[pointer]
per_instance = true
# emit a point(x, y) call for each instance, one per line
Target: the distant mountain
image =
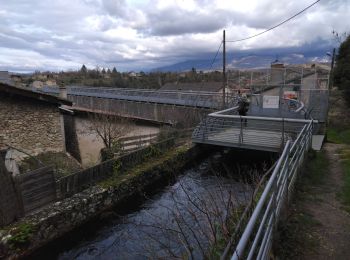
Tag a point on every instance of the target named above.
point(254, 59)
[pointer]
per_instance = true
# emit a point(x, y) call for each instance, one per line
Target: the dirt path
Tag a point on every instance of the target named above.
point(332, 231)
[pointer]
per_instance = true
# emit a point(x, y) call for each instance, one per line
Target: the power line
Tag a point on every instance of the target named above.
point(217, 52)
point(281, 23)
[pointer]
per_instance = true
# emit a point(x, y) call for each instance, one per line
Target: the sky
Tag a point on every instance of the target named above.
point(144, 34)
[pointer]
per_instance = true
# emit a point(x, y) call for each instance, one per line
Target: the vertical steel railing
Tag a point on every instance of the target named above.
point(259, 231)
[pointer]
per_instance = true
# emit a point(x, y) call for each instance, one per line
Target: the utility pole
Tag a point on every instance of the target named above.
point(224, 71)
point(332, 69)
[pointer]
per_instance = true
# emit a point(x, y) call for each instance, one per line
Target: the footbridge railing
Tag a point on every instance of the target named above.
point(226, 128)
point(257, 238)
point(181, 98)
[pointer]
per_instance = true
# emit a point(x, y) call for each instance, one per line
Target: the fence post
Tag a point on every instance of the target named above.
point(205, 128)
point(241, 131)
point(282, 141)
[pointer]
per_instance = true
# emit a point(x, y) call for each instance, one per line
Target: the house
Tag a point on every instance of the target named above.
point(37, 84)
point(5, 77)
point(32, 121)
point(50, 82)
point(277, 72)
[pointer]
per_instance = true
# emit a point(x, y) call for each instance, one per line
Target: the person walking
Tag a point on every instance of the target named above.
point(243, 106)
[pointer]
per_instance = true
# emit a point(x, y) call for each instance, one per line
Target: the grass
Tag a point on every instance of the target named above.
point(344, 195)
point(316, 169)
point(339, 132)
point(296, 234)
point(20, 235)
point(118, 177)
point(338, 136)
point(62, 163)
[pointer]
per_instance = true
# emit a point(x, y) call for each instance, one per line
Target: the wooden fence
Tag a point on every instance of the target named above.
point(36, 188)
point(71, 184)
point(132, 143)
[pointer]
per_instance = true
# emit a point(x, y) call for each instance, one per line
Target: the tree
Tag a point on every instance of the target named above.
point(83, 69)
point(342, 68)
point(109, 128)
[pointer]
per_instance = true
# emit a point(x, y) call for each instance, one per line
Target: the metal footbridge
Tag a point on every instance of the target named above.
point(227, 128)
point(201, 99)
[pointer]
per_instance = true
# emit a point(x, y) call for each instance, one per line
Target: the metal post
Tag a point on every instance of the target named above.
point(251, 78)
point(301, 83)
point(282, 145)
point(224, 70)
point(241, 132)
point(239, 79)
point(275, 202)
point(331, 72)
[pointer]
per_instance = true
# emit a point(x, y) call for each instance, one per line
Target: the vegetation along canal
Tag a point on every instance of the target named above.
point(192, 217)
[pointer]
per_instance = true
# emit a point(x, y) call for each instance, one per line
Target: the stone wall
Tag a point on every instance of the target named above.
point(31, 125)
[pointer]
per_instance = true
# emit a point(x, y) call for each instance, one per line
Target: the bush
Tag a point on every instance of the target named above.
point(342, 69)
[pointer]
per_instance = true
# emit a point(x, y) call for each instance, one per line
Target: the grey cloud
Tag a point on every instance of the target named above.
point(59, 30)
point(178, 22)
point(117, 8)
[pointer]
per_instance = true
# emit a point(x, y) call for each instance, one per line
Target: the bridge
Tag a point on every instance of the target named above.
point(226, 128)
point(202, 99)
point(170, 106)
point(150, 105)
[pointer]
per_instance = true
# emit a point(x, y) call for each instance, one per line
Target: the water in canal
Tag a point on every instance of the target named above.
point(182, 219)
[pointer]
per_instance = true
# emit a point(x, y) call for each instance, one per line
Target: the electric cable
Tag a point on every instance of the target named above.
point(273, 27)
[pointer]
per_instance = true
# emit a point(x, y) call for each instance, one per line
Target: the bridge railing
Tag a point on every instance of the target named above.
point(184, 98)
point(257, 238)
point(229, 129)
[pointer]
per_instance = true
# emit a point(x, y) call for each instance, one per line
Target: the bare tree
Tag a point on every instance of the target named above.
point(109, 128)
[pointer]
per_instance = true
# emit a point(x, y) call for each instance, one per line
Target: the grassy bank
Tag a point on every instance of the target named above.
point(322, 192)
point(338, 132)
point(297, 234)
point(344, 195)
point(158, 159)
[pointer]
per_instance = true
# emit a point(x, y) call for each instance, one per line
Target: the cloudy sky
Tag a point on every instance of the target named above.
point(143, 34)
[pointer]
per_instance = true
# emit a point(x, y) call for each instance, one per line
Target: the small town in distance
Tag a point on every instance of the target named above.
point(229, 144)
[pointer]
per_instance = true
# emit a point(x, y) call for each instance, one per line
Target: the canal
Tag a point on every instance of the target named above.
point(183, 219)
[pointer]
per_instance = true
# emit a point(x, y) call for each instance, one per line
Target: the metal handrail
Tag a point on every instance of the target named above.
point(273, 198)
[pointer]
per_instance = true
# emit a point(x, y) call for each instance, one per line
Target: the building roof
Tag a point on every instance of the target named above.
point(16, 91)
point(200, 86)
